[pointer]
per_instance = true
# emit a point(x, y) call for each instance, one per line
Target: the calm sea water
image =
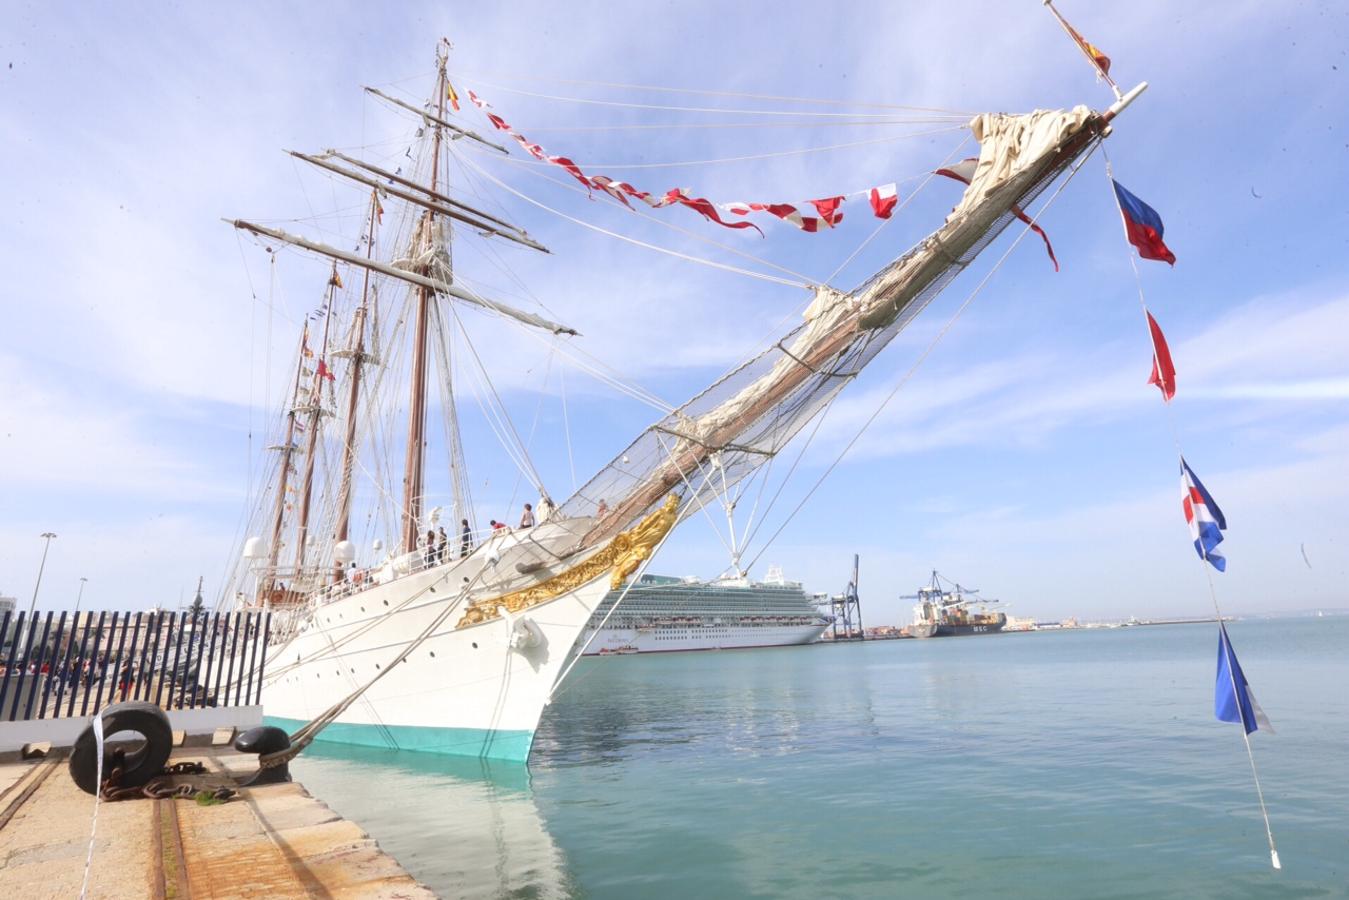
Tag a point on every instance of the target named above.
point(1053, 764)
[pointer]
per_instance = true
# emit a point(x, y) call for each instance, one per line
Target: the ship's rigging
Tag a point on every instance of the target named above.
point(702, 450)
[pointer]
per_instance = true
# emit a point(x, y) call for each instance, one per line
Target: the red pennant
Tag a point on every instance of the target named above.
point(1163, 371)
point(883, 200)
point(828, 210)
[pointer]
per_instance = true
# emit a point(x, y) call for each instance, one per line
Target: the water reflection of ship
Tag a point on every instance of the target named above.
point(946, 609)
point(490, 839)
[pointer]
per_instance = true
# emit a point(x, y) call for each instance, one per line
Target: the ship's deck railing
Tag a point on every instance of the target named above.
point(318, 586)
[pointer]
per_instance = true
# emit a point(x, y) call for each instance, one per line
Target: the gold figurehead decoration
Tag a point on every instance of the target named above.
point(623, 555)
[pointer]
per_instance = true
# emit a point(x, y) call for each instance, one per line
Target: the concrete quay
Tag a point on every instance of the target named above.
point(271, 841)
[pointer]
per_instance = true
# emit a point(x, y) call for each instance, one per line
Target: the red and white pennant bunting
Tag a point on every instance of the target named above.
point(828, 213)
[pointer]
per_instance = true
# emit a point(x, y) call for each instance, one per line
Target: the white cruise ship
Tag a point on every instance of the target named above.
point(661, 614)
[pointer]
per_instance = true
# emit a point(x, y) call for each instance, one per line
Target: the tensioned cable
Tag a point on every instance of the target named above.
point(640, 213)
point(778, 154)
point(596, 368)
point(636, 576)
point(686, 126)
point(905, 202)
point(725, 267)
point(518, 451)
point(922, 357)
point(703, 92)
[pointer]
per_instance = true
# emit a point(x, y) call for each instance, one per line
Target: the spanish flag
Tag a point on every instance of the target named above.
point(454, 98)
point(1100, 59)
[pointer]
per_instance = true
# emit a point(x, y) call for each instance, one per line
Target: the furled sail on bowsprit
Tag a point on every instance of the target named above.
point(723, 434)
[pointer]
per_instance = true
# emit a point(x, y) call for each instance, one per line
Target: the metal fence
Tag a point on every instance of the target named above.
point(58, 664)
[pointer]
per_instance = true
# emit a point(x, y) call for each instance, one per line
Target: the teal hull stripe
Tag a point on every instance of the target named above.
point(477, 742)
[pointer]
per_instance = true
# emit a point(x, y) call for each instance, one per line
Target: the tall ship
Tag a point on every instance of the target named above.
point(661, 614)
point(398, 617)
point(945, 609)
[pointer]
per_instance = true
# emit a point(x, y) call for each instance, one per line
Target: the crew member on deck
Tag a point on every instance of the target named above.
point(466, 539)
point(527, 517)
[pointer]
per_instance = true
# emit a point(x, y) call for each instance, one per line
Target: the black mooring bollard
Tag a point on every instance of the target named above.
point(261, 740)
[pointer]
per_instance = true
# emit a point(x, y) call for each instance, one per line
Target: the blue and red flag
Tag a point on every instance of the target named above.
point(1205, 519)
point(1233, 700)
point(1143, 226)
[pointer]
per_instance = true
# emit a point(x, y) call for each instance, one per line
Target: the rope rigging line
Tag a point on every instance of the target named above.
point(517, 450)
point(776, 154)
point(927, 178)
point(544, 175)
point(948, 125)
point(696, 494)
point(622, 104)
point(566, 424)
point(922, 357)
point(708, 93)
point(1203, 560)
point(633, 579)
point(726, 267)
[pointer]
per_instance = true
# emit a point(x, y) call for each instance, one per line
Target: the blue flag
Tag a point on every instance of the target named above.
point(1233, 700)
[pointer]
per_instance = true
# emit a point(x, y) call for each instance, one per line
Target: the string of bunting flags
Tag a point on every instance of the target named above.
point(1233, 700)
point(810, 216)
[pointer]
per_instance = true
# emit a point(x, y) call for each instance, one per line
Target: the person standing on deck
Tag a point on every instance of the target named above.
point(442, 546)
point(466, 539)
point(527, 517)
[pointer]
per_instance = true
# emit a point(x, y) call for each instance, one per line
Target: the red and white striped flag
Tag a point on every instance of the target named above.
point(883, 200)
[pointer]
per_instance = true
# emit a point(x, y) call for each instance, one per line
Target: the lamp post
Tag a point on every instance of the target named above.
point(42, 565)
point(80, 595)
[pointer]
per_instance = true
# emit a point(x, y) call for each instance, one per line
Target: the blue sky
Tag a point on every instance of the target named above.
point(1027, 455)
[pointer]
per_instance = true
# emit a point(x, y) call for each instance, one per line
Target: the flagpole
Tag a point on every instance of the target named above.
point(1078, 40)
point(1203, 560)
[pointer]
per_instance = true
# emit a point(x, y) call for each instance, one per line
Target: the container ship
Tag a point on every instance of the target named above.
point(945, 609)
point(662, 613)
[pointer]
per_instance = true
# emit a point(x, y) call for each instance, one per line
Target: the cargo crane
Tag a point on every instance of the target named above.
point(847, 610)
point(944, 610)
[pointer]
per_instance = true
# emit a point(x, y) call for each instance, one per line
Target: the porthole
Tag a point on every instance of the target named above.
point(362, 609)
point(433, 653)
point(475, 645)
point(386, 602)
point(376, 665)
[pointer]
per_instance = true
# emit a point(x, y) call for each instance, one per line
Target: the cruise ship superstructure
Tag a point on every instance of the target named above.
point(662, 613)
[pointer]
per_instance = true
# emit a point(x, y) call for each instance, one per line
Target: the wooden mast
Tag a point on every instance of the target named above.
point(413, 468)
point(287, 448)
point(358, 357)
point(315, 410)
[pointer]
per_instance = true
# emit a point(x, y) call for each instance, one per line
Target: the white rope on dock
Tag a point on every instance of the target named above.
point(98, 799)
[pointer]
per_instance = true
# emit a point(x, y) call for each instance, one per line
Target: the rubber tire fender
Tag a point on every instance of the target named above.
point(141, 764)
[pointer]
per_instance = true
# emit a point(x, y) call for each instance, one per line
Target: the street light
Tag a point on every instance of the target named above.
point(80, 596)
point(31, 606)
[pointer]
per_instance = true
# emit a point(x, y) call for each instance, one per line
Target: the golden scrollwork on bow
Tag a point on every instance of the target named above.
point(623, 555)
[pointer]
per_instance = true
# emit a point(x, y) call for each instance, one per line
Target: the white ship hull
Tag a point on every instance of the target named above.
point(700, 637)
point(464, 691)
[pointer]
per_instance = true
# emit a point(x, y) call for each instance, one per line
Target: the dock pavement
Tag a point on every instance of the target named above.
point(271, 841)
